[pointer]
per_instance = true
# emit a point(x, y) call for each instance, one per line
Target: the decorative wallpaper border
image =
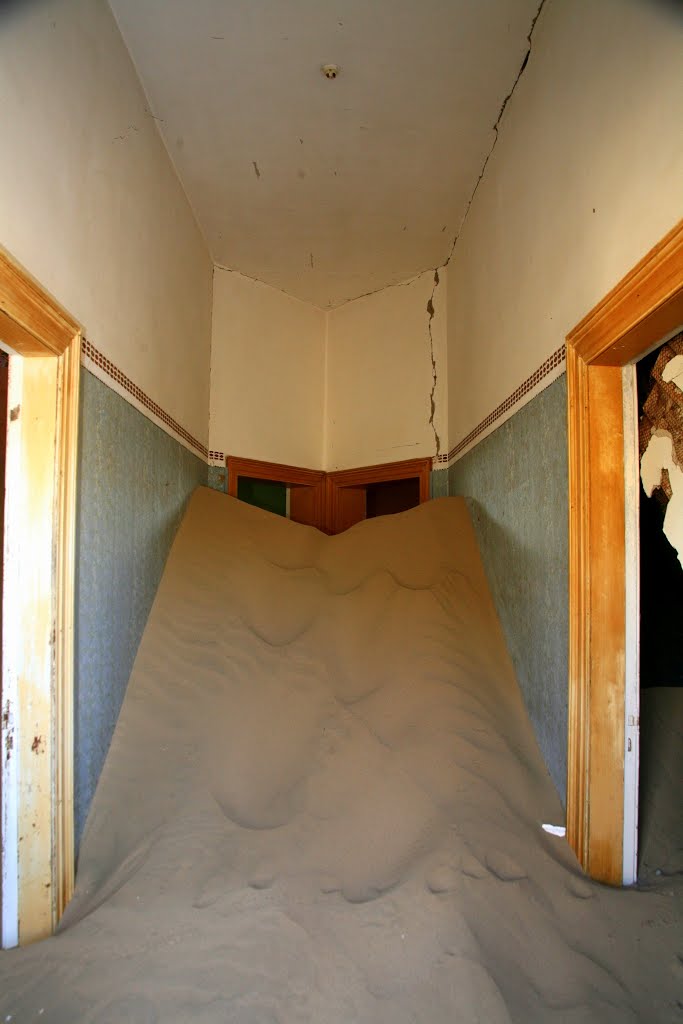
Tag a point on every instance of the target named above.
point(546, 368)
point(553, 362)
point(92, 354)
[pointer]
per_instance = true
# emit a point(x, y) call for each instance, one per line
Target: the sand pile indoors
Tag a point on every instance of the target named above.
point(323, 803)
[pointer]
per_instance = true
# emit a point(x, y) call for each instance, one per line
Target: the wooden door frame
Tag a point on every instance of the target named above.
point(645, 307)
point(365, 475)
point(38, 621)
point(292, 476)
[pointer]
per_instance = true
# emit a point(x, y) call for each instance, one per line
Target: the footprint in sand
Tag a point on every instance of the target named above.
point(504, 867)
point(126, 1010)
point(262, 879)
point(580, 888)
point(473, 868)
point(442, 879)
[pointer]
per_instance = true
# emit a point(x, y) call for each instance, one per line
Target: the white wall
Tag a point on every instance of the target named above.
point(90, 204)
point(586, 176)
point(267, 373)
point(379, 375)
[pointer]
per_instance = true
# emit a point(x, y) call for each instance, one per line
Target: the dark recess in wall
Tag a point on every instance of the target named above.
point(661, 578)
point(390, 496)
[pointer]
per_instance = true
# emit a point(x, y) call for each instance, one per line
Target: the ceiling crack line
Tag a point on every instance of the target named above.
point(496, 129)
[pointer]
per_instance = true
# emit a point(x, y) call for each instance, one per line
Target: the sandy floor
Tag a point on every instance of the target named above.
point(323, 803)
point(661, 777)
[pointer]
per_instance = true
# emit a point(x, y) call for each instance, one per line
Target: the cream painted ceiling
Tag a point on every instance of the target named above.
point(327, 189)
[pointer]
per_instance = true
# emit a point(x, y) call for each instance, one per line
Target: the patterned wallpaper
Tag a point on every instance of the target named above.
point(134, 483)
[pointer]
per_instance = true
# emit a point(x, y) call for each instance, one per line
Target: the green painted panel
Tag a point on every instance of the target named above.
point(268, 494)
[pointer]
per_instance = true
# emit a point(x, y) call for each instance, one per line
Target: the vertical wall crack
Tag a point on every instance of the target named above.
point(432, 393)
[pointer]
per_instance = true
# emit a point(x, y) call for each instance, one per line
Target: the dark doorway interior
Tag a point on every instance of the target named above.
point(389, 496)
point(661, 650)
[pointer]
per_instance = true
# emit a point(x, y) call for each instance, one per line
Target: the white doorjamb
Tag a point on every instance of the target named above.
point(632, 624)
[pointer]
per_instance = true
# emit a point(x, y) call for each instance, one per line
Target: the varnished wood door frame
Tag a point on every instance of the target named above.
point(325, 487)
point(292, 476)
point(643, 308)
point(38, 610)
point(365, 475)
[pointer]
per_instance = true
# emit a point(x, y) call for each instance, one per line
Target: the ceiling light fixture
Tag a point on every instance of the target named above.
point(330, 70)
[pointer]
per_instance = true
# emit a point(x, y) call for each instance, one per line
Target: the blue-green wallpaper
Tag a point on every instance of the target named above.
point(517, 480)
point(133, 484)
point(438, 483)
point(218, 478)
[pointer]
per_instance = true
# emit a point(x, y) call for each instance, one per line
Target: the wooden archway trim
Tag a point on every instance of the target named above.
point(41, 587)
point(307, 494)
point(642, 309)
point(31, 322)
point(350, 480)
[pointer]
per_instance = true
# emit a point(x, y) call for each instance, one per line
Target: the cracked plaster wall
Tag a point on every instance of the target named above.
point(386, 375)
point(360, 384)
point(267, 373)
point(584, 178)
point(91, 206)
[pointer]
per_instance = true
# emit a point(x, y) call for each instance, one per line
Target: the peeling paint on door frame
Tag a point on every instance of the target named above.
point(38, 608)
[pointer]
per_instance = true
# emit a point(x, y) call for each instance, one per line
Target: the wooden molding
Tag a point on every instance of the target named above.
point(329, 501)
point(638, 309)
point(307, 507)
point(65, 562)
point(643, 308)
point(579, 611)
point(31, 322)
point(345, 497)
point(238, 467)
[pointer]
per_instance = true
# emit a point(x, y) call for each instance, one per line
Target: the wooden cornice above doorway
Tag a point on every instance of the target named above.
point(331, 502)
point(640, 311)
point(31, 322)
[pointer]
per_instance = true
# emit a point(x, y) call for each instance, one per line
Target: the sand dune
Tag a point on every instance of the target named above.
point(323, 803)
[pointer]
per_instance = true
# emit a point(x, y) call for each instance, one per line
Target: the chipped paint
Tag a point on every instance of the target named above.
point(28, 657)
point(660, 458)
point(673, 372)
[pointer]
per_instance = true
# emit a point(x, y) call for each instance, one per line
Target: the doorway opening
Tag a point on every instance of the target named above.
point(39, 513)
point(602, 742)
point(391, 496)
point(660, 429)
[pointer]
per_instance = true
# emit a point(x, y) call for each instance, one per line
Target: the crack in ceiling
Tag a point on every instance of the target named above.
point(367, 171)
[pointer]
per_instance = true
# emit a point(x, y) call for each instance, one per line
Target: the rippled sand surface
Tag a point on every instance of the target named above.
point(323, 803)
